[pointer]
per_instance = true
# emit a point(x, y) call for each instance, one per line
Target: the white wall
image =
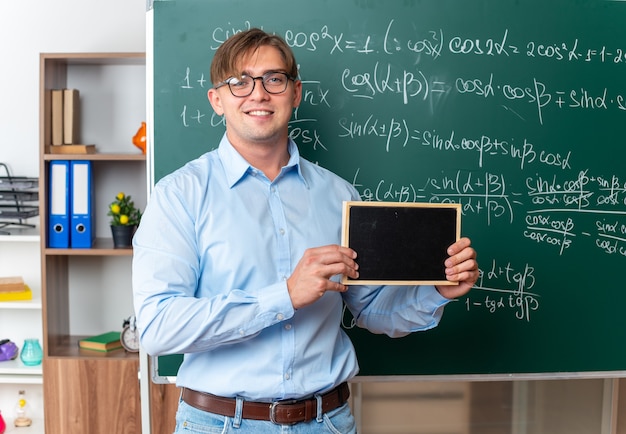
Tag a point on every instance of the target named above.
point(30, 27)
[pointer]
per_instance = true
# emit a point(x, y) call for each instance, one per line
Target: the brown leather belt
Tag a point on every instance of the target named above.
point(279, 412)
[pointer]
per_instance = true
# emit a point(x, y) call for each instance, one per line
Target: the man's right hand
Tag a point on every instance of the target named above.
point(311, 277)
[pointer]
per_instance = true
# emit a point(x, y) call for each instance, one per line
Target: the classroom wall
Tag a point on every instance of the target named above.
point(30, 27)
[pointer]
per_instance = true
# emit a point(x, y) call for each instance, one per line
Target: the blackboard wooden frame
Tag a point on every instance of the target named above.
point(400, 243)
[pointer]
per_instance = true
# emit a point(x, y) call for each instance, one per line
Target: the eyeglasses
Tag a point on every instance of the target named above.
point(273, 83)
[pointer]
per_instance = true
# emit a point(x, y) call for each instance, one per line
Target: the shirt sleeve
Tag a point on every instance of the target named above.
point(166, 266)
point(395, 310)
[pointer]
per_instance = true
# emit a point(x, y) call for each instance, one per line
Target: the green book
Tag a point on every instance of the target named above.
point(105, 342)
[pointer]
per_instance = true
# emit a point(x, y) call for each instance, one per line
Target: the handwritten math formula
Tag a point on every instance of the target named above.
point(538, 156)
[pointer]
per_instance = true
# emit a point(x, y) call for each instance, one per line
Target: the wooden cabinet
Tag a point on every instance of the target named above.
point(88, 291)
point(86, 395)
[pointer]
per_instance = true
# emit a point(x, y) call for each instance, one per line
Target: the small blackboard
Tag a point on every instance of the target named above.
point(400, 243)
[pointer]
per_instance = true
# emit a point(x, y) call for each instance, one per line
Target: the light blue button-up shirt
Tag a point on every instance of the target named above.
point(217, 242)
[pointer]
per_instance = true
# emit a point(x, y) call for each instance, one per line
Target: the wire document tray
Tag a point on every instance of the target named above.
point(19, 200)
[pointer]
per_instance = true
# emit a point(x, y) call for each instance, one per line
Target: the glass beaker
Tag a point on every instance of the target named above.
point(31, 354)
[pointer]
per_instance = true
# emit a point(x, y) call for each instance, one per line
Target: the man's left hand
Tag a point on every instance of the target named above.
point(461, 267)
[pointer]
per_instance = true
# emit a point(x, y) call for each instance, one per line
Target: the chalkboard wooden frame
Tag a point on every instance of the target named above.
point(400, 243)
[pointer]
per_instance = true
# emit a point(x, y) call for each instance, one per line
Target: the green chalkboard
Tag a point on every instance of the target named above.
point(513, 108)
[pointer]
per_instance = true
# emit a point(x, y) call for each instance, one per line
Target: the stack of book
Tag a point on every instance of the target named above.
point(105, 342)
point(14, 289)
point(65, 123)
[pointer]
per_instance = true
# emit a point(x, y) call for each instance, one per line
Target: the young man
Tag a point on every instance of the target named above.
point(237, 265)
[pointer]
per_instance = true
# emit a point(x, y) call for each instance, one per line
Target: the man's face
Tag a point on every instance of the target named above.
point(260, 118)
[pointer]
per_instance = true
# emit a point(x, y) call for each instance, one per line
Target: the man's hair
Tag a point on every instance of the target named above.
point(228, 56)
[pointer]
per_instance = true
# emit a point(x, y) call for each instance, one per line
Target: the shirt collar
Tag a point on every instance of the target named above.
point(236, 167)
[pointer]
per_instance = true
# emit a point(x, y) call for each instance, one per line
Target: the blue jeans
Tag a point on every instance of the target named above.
point(190, 420)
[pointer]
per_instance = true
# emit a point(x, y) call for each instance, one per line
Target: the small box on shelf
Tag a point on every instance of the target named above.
point(11, 284)
point(13, 289)
point(21, 295)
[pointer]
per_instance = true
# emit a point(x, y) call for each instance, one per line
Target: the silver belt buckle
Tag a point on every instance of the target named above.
point(275, 404)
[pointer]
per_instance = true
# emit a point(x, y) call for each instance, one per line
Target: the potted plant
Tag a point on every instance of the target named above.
point(125, 217)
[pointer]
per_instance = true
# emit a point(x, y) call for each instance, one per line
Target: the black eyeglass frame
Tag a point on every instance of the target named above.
point(263, 78)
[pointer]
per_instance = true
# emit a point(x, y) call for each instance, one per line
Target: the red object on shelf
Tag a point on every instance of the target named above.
point(139, 139)
point(3, 425)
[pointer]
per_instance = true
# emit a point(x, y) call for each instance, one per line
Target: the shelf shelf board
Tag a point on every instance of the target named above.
point(20, 379)
point(97, 58)
point(37, 427)
point(14, 371)
point(101, 247)
point(34, 304)
point(68, 348)
point(19, 235)
point(104, 156)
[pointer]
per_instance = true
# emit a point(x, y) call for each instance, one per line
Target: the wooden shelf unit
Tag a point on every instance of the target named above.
point(19, 256)
point(77, 381)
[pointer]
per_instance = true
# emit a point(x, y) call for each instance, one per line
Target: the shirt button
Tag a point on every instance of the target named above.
point(280, 317)
point(282, 231)
point(287, 376)
point(287, 326)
